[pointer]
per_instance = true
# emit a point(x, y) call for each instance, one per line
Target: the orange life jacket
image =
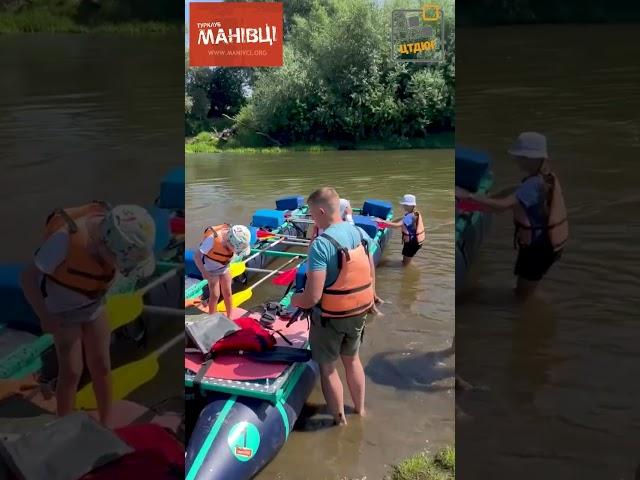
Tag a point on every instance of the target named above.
point(219, 252)
point(82, 270)
point(352, 292)
point(557, 227)
point(417, 232)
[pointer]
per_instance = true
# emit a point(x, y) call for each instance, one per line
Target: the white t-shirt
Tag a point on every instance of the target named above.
point(211, 266)
point(60, 299)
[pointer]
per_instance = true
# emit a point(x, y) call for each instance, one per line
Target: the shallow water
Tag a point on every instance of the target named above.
point(409, 378)
point(563, 371)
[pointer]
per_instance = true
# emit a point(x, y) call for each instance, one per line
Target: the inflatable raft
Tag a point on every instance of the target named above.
point(473, 173)
point(246, 408)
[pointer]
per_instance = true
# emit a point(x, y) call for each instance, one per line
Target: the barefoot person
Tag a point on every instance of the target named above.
point(341, 289)
point(67, 282)
point(217, 249)
point(539, 212)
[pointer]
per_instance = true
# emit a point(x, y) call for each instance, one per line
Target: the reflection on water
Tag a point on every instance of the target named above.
point(410, 403)
point(563, 399)
point(83, 118)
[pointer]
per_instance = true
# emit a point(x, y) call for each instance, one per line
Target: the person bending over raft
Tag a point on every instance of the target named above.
point(539, 212)
point(341, 290)
point(67, 282)
point(218, 246)
point(413, 234)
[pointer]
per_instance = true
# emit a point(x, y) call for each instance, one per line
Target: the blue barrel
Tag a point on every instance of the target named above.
point(366, 224)
point(235, 437)
point(267, 219)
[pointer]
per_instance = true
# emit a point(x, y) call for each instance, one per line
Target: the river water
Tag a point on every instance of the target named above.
point(562, 371)
point(84, 117)
point(409, 378)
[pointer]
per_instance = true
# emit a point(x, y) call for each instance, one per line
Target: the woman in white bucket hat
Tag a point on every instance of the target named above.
point(68, 280)
point(412, 225)
point(539, 212)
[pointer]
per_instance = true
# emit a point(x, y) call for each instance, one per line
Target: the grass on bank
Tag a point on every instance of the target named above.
point(205, 142)
point(41, 20)
point(422, 466)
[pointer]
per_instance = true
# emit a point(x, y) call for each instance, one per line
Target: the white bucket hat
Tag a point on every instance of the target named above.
point(240, 240)
point(408, 200)
point(129, 232)
point(529, 145)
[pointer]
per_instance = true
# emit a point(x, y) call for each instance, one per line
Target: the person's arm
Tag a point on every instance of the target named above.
point(204, 246)
point(395, 223)
point(505, 192)
point(495, 204)
point(312, 293)
point(29, 281)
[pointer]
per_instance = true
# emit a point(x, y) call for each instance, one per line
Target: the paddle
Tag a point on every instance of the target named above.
point(128, 378)
point(467, 205)
point(124, 308)
point(239, 298)
point(286, 277)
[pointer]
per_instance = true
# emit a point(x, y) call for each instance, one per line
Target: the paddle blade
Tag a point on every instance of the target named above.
point(237, 268)
point(382, 225)
point(126, 379)
point(467, 205)
point(122, 309)
point(237, 299)
point(286, 277)
point(261, 234)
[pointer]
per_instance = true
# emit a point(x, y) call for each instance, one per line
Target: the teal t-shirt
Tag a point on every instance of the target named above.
point(323, 255)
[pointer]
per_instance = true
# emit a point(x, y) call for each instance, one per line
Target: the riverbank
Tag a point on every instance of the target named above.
point(206, 143)
point(44, 21)
point(441, 466)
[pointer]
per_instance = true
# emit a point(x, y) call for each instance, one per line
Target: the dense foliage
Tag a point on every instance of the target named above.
point(340, 82)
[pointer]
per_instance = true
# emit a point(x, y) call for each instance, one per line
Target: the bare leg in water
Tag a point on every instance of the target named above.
point(333, 392)
point(356, 381)
point(525, 288)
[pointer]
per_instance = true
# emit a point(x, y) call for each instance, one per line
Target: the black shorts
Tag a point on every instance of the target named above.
point(410, 248)
point(535, 261)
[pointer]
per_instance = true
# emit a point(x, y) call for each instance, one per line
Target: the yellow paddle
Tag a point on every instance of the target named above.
point(129, 377)
point(123, 308)
point(239, 298)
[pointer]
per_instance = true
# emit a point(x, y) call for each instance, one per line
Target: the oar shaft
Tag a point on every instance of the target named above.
point(169, 344)
point(264, 279)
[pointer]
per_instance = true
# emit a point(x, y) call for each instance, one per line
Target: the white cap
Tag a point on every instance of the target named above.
point(529, 145)
point(408, 200)
point(240, 239)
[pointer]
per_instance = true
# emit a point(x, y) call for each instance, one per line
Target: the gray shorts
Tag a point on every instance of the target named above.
point(331, 337)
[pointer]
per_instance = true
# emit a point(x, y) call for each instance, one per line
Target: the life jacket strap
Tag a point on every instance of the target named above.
point(347, 292)
point(353, 311)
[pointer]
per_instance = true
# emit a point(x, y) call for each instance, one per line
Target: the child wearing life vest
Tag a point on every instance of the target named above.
point(412, 225)
point(68, 280)
point(217, 248)
point(539, 212)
